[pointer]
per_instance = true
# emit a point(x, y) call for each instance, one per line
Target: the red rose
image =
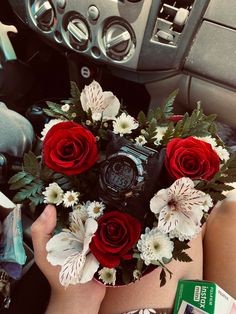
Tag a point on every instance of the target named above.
point(191, 158)
point(69, 148)
point(176, 118)
point(116, 234)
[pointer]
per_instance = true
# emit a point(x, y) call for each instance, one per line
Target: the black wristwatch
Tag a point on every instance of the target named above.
point(129, 177)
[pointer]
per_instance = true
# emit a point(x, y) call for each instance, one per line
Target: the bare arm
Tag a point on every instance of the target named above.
point(220, 247)
point(75, 299)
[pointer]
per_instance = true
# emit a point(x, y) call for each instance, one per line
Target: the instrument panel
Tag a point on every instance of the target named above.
point(136, 35)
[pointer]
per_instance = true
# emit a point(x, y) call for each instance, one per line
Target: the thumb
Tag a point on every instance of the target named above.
point(41, 231)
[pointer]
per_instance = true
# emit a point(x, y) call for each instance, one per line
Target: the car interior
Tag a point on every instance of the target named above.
point(141, 50)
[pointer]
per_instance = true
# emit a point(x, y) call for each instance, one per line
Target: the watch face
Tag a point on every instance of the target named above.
point(120, 174)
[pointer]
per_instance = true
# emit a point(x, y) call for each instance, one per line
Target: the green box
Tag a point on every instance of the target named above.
point(202, 297)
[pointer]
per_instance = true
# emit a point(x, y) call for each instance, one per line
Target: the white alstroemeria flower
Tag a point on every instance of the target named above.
point(53, 194)
point(222, 153)
point(103, 105)
point(95, 209)
point(108, 275)
point(70, 250)
point(180, 208)
point(124, 124)
point(140, 140)
point(160, 132)
point(48, 126)
point(70, 198)
point(154, 246)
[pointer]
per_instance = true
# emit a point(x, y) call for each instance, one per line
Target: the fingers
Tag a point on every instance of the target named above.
point(41, 231)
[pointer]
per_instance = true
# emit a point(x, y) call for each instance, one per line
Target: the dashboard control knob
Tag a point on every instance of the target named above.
point(93, 13)
point(118, 41)
point(61, 4)
point(43, 14)
point(181, 18)
point(78, 33)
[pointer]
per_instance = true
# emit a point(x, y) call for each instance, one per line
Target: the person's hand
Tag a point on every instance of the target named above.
point(85, 297)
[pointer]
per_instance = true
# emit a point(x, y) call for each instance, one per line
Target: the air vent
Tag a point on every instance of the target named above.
point(171, 21)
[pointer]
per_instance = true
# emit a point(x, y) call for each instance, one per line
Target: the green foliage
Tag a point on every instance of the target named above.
point(55, 111)
point(63, 181)
point(30, 181)
point(168, 106)
point(221, 181)
point(178, 253)
point(142, 120)
point(31, 164)
point(162, 277)
point(197, 124)
point(151, 130)
point(75, 92)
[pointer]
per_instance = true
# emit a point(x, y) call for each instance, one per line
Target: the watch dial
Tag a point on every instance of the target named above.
point(120, 173)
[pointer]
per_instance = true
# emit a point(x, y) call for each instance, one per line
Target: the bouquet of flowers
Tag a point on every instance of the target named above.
point(130, 193)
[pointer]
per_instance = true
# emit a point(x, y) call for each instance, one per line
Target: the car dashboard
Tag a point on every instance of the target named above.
point(161, 44)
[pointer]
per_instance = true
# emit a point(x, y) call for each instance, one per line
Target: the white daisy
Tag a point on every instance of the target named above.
point(53, 194)
point(95, 209)
point(137, 274)
point(208, 139)
point(103, 105)
point(124, 124)
point(82, 210)
point(154, 246)
point(142, 311)
point(140, 140)
point(222, 153)
point(160, 132)
point(70, 250)
point(65, 107)
point(73, 115)
point(70, 198)
point(108, 275)
point(180, 209)
point(48, 126)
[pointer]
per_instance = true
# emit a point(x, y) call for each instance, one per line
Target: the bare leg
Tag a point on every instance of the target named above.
point(147, 293)
point(220, 247)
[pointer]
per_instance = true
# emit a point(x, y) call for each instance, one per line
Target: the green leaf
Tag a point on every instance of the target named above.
point(52, 114)
point(22, 182)
point(31, 164)
point(126, 275)
point(217, 196)
point(151, 130)
point(46, 174)
point(162, 278)
point(18, 176)
point(75, 92)
point(228, 179)
point(35, 201)
point(168, 106)
point(183, 257)
point(142, 119)
point(30, 190)
point(136, 255)
point(166, 260)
